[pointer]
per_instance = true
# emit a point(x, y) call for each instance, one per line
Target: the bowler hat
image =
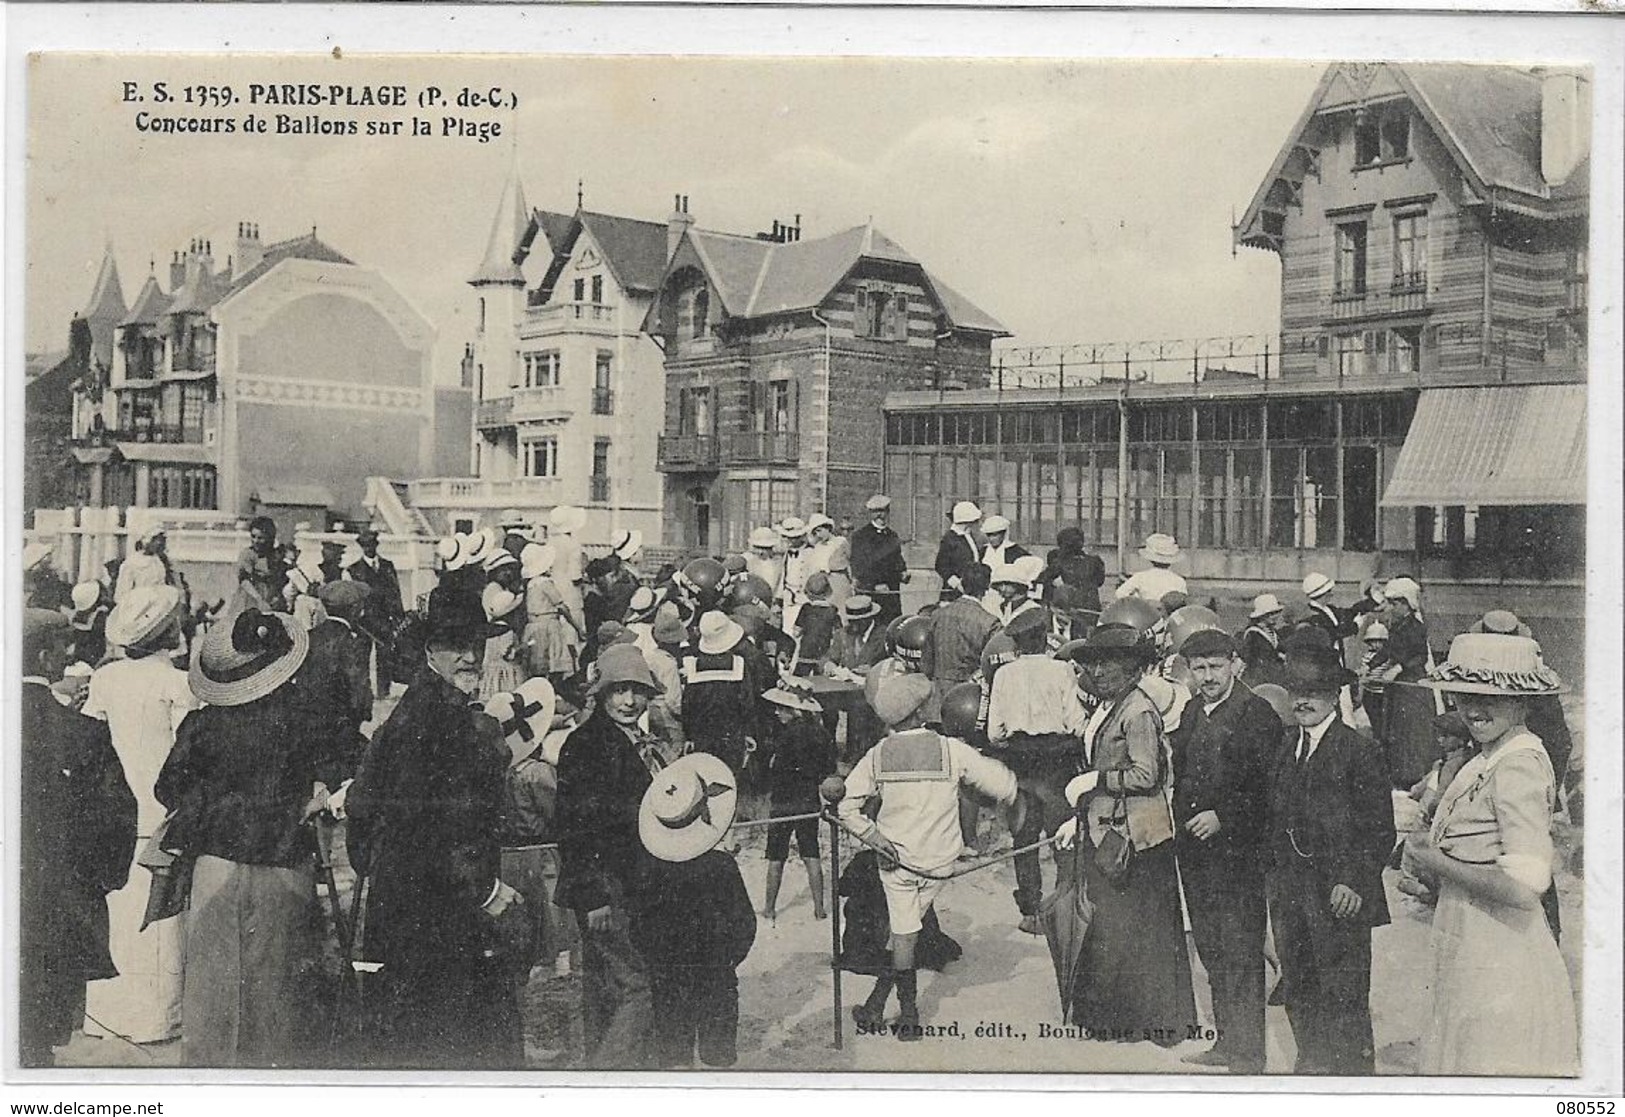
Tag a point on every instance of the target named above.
point(1315, 670)
point(456, 615)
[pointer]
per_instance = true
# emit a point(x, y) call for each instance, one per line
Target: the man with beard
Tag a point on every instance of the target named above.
point(878, 567)
point(425, 810)
point(1220, 753)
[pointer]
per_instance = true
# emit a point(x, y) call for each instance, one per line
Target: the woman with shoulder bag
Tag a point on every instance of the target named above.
point(1134, 982)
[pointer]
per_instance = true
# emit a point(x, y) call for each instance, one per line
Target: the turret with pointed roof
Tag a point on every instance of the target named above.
point(508, 232)
point(105, 309)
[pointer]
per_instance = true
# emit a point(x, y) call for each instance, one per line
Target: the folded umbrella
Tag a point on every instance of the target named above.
point(1066, 916)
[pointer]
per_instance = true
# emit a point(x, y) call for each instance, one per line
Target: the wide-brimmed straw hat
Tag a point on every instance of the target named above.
point(1114, 642)
point(1264, 605)
point(567, 519)
point(452, 551)
point(622, 663)
point(536, 560)
point(1316, 585)
point(525, 715)
point(860, 607)
point(795, 694)
point(688, 808)
point(1160, 548)
point(643, 604)
point(627, 544)
point(764, 537)
point(1492, 663)
point(247, 657)
point(145, 613)
point(718, 633)
point(478, 547)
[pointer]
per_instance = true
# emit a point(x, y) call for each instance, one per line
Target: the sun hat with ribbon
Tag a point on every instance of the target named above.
point(477, 548)
point(860, 607)
point(764, 538)
point(499, 558)
point(795, 694)
point(643, 604)
point(718, 633)
point(567, 519)
point(880, 502)
point(792, 527)
point(247, 658)
point(622, 663)
point(536, 560)
point(688, 808)
point(1497, 664)
point(1317, 585)
point(994, 525)
point(965, 512)
point(525, 715)
point(627, 544)
point(1264, 605)
point(144, 614)
point(1160, 548)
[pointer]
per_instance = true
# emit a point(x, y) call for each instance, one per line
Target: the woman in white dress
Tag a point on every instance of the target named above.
point(1502, 1001)
point(143, 698)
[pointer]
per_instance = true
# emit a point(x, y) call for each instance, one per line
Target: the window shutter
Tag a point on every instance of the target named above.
point(1325, 348)
point(899, 322)
point(860, 312)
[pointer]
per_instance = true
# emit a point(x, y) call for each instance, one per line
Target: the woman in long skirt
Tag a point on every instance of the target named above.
point(1502, 1000)
point(247, 773)
point(553, 633)
point(143, 698)
point(1134, 978)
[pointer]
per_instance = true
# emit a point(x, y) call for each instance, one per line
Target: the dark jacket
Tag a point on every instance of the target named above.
point(877, 558)
point(1265, 660)
point(77, 831)
point(1338, 810)
point(856, 651)
point(960, 630)
point(426, 812)
point(698, 914)
point(1408, 647)
point(337, 671)
point(1080, 572)
point(384, 602)
point(721, 699)
point(602, 779)
point(1221, 763)
point(241, 776)
point(956, 554)
point(802, 754)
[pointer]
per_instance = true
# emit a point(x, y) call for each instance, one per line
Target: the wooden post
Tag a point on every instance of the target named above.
point(835, 920)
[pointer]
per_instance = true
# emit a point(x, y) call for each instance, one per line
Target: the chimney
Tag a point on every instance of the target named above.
point(1565, 124)
point(249, 250)
point(193, 260)
point(677, 224)
point(177, 272)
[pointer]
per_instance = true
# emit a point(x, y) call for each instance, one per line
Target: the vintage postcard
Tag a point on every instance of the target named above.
point(1122, 521)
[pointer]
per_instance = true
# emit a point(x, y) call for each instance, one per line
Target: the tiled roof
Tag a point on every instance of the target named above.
point(306, 247)
point(107, 297)
point(198, 295)
point(734, 264)
point(557, 228)
point(635, 250)
point(150, 304)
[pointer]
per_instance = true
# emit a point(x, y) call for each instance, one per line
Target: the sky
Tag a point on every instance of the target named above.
point(1074, 201)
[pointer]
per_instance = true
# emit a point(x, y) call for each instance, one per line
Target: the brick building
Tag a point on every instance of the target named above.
point(779, 352)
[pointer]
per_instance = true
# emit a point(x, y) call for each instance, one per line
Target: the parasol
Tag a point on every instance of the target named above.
point(1066, 916)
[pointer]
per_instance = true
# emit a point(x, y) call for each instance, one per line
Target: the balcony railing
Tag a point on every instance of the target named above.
point(599, 489)
point(494, 413)
point(603, 401)
point(481, 492)
point(539, 403)
point(1408, 294)
point(158, 433)
point(780, 447)
point(572, 316)
point(686, 451)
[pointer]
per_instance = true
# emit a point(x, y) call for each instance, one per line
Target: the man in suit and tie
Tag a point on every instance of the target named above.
point(1331, 830)
point(1221, 753)
point(958, 552)
point(384, 608)
point(78, 826)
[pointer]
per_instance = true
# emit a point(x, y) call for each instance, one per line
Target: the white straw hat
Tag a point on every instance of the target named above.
point(965, 513)
point(688, 807)
point(1160, 548)
point(1316, 584)
point(1490, 663)
point(718, 633)
point(1263, 605)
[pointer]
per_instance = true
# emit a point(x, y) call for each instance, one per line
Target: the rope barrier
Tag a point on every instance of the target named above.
point(746, 824)
point(953, 872)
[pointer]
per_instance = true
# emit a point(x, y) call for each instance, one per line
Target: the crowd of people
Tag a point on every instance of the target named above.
point(582, 741)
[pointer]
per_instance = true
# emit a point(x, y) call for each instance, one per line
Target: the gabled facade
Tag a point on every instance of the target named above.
point(566, 383)
point(275, 384)
point(778, 354)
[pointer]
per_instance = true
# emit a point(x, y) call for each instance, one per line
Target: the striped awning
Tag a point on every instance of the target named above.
point(1520, 444)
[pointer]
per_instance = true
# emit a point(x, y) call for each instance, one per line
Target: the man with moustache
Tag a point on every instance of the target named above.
point(1331, 831)
point(878, 567)
point(424, 813)
point(1221, 752)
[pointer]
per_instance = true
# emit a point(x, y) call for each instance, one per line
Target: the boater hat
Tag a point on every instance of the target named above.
point(792, 527)
point(146, 612)
point(859, 607)
point(688, 807)
point(795, 694)
point(1491, 663)
point(627, 544)
point(525, 715)
point(248, 658)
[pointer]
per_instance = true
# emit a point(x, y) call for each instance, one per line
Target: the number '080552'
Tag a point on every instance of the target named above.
point(1569, 1108)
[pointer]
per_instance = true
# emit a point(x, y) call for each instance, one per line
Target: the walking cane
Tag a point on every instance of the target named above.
point(833, 790)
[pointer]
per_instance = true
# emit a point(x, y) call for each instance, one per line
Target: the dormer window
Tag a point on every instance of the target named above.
point(880, 313)
point(1381, 135)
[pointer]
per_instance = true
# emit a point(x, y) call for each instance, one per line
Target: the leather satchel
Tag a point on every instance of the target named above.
point(1114, 853)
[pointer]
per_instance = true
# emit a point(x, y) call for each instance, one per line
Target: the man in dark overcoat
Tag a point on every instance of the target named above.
point(957, 552)
point(78, 825)
point(425, 812)
point(878, 567)
point(384, 606)
point(1221, 753)
point(1331, 831)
